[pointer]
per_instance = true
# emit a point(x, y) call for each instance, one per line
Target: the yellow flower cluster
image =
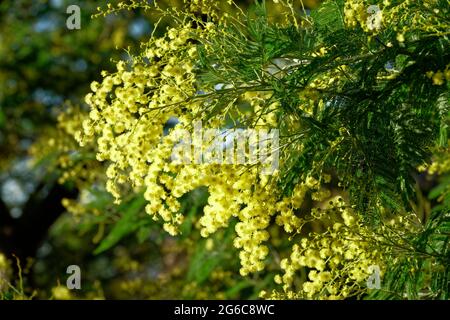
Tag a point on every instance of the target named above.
point(330, 79)
point(129, 111)
point(405, 17)
point(338, 260)
point(131, 107)
point(264, 113)
point(440, 165)
point(288, 206)
point(128, 119)
point(439, 77)
point(61, 292)
point(207, 7)
point(356, 12)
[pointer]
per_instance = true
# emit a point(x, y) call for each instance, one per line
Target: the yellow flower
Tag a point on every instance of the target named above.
point(438, 78)
point(61, 293)
point(400, 37)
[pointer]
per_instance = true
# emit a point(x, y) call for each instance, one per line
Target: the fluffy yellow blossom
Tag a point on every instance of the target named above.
point(61, 293)
point(130, 112)
point(326, 254)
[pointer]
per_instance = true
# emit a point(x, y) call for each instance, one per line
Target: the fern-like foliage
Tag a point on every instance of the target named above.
point(380, 114)
point(421, 270)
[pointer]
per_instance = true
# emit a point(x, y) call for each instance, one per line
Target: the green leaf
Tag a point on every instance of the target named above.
point(233, 292)
point(129, 223)
point(440, 189)
point(143, 233)
point(329, 15)
point(100, 200)
point(203, 263)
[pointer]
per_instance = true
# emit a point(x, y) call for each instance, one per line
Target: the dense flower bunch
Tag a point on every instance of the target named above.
point(406, 17)
point(132, 108)
point(341, 259)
